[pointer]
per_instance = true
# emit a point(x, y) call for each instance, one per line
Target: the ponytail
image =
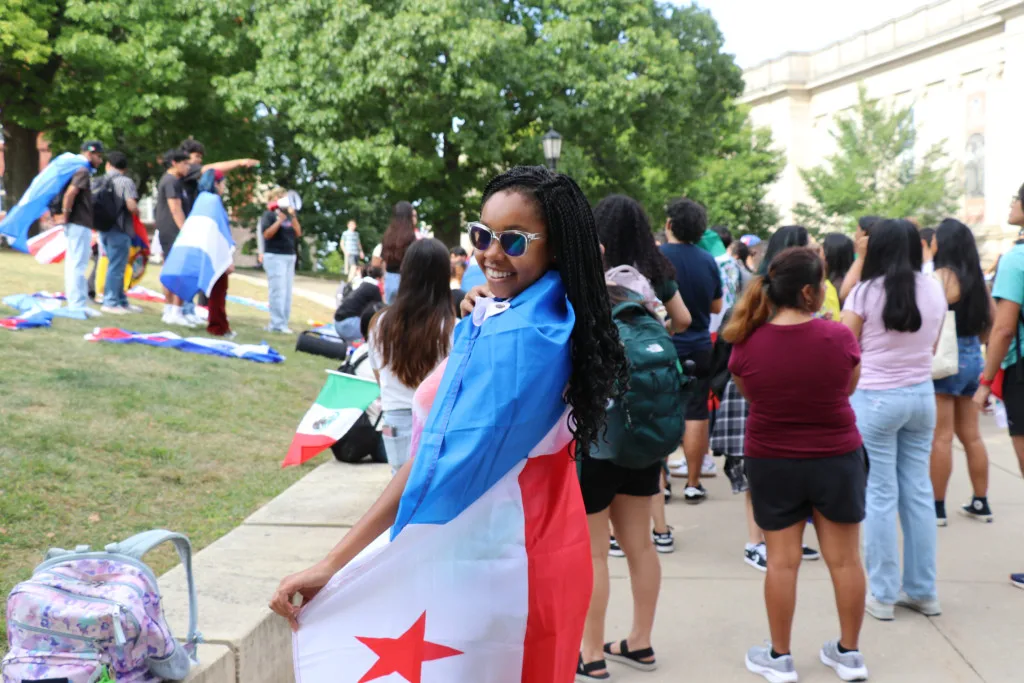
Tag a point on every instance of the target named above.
point(752, 311)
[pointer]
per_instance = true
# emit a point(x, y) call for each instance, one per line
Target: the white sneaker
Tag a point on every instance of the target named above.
point(114, 310)
point(132, 308)
point(192, 319)
point(178, 319)
point(708, 468)
point(92, 313)
point(680, 471)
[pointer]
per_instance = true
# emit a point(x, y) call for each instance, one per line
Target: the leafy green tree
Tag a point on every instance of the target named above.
point(876, 170)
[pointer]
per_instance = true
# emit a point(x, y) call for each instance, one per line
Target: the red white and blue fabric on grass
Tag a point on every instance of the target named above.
point(36, 199)
point(24, 321)
point(486, 574)
point(201, 252)
point(259, 353)
point(45, 301)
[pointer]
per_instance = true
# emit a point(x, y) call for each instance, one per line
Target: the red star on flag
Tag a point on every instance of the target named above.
point(404, 655)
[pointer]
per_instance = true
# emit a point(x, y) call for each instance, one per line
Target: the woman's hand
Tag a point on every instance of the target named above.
point(469, 302)
point(862, 245)
point(307, 584)
point(981, 397)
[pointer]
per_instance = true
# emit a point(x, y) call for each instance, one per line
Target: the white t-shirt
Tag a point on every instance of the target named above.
point(394, 395)
point(928, 267)
point(378, 250)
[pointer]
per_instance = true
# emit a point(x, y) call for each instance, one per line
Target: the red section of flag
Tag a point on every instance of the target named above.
point(404, 655)
point(559, 564)
point(306, 447)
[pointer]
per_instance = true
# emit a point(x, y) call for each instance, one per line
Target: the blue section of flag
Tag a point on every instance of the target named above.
point(205, 346)
point(34, 318)
point(500, 395)
point(44, 302)
point(34, 202)
point(202, 250)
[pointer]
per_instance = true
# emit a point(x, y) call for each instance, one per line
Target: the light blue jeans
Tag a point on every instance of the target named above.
point(116, 245)
point(391, 282)
point(76, 261)
point(398, 444)
point(897, 426)
point(280, 269)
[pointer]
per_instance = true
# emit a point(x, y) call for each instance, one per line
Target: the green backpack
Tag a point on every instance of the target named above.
point(646, 424)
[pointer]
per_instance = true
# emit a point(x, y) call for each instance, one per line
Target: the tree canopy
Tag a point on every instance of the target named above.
point(878, 170)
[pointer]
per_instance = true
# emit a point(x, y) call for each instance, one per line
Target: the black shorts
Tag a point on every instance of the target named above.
point(167, 241)
point(785, 491)
point(602, 480)
point(1013, 397)
point(697, 408)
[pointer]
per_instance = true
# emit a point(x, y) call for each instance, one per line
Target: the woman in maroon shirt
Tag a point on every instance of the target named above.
point(804, 455)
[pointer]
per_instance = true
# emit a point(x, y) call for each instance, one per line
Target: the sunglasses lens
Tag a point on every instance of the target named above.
point(514, 245)
point(480, 238)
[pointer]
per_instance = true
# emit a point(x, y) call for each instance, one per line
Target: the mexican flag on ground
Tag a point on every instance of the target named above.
point(340, 403)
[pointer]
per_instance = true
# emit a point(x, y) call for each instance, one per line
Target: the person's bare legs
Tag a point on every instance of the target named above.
point(754, 533)
point(658, 508)
point(1018, 448)
point(593, 630)
point(840, 546)
point(631, 517)
point(785, 552)
point(942, 445)
point(965, 424)
point(695, 446)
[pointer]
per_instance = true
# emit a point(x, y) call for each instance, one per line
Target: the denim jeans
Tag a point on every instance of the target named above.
point(280, 269)
point(897, 426)
point(76, 260)
point(116, 245)
point(397, 446)
point(391, 282)
point(348, 329)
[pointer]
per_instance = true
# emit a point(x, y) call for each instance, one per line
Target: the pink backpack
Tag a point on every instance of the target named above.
point(632, 279)
point(92, 617)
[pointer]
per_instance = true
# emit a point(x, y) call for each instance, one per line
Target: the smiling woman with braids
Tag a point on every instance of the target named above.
point(530, 375)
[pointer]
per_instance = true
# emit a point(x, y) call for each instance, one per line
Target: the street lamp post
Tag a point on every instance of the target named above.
point(552, 148)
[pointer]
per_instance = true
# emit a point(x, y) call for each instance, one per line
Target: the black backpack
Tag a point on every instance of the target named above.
point(56, 205)
point(106, 207)
point(362, 439)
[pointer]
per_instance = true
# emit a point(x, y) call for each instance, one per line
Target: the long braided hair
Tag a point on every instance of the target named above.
point(599, 370)
point(625, 232)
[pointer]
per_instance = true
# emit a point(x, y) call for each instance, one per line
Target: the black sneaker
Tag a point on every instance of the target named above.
point(695, 494)
point(977, 509)
point(663, 542)
point(756, 556)
point(940, 513)
point(614, 549)
point(810, 553)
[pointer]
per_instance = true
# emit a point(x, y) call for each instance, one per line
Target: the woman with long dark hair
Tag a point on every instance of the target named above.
point(839, 257)
point(540, 342)
point(897, 312)
point(410, 339)
point(804, 456)
point(401, 233)
point(958, 267)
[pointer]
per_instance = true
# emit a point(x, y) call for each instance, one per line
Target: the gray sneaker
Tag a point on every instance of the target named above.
point(849, 666)
point(929, 606)
point(760, 661)
point(879, 610)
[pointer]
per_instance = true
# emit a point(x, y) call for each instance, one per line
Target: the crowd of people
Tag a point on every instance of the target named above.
point(812, 371)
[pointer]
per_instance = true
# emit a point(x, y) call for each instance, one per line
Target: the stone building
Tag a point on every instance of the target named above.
point(958, 63)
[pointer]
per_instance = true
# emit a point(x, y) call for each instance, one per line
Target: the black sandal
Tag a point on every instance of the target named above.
point(585, 672)
point(633, 658)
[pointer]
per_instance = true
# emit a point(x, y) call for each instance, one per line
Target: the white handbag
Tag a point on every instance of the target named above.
point(946, 361)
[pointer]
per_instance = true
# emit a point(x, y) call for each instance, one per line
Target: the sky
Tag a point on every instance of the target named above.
point(756, 30)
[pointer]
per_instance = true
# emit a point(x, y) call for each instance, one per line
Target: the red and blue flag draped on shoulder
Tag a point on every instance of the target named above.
point(36, 199)
point(486, 574)
point(201, 252)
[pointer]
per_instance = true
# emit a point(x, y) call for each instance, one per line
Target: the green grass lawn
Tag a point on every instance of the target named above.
point(100, 441)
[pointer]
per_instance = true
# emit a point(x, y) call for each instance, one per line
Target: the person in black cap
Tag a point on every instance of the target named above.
point(76, 216)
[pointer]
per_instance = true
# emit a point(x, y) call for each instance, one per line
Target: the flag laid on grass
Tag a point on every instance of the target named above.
point(34, 202)
point(37, 317)
point(50, 246)
point(486, 574)
point(145, 294)
point(259, 353)
point(201, 252)
point(44, 301)
point(340, 403)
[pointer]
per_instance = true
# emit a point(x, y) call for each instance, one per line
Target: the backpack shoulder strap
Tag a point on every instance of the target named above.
point(138, 545)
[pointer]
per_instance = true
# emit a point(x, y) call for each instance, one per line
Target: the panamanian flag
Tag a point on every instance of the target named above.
point(486, 575)
point(202, 251)
point(36, 199)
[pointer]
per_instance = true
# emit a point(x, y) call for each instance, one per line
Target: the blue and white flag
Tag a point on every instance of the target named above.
point(202, 251)
point(34, 202)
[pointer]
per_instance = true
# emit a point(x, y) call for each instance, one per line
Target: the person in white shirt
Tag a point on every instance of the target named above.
point(929, 246)
point(410, 339)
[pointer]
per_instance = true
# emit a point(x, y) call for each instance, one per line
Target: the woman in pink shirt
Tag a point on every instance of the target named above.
point(897, 313)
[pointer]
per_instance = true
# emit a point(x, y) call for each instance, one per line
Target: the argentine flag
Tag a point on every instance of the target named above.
point(486, 575)
point(202, 252)
point(35, 201)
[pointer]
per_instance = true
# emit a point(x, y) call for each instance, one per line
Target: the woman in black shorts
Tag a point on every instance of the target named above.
point(804, 455)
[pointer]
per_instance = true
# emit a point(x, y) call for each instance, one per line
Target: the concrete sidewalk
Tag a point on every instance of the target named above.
point(711, 607)
point(310, 288)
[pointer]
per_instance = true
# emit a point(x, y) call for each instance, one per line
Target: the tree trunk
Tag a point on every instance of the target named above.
point(448, 224)
point(21, 161)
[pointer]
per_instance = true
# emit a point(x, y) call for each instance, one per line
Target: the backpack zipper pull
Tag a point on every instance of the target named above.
point(119, 630)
